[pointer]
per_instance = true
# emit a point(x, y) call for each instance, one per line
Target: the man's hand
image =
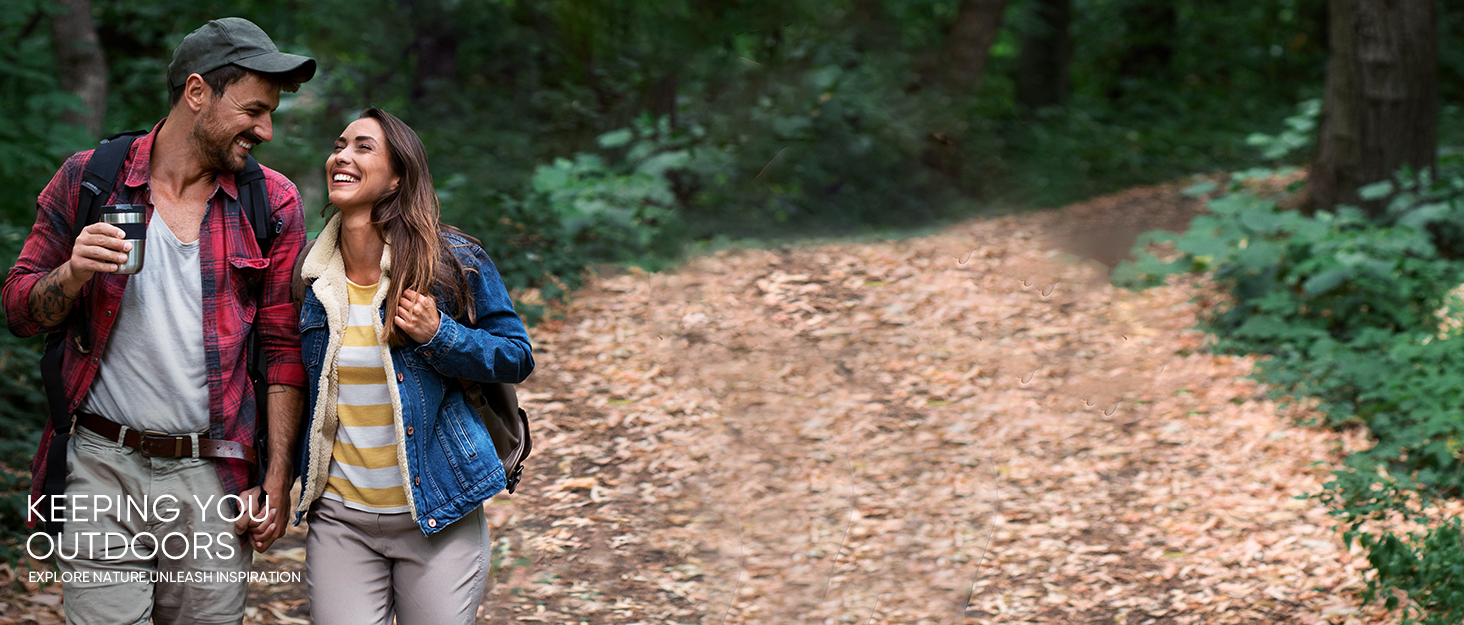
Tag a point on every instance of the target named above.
point(285, 406)
point(264, 520)
point(100, 248)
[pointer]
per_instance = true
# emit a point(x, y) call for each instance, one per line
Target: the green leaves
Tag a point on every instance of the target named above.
point(1345, 309)
point(1199, 189)
point(610, 207)
point(1299, 134)
point(616, 138)
point(1326, 281)
point(1376, 190)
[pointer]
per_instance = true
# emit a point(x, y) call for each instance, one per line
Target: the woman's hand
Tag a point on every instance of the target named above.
point(416, 314)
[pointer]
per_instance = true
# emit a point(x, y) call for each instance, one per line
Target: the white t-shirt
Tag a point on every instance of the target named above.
point(152, 374)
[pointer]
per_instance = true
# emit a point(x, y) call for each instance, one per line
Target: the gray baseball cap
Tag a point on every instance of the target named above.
point(237, 41)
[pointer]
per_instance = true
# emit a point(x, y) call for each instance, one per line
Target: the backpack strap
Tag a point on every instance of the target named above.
point(254, 198)
point(98, 179)
point(254, 204)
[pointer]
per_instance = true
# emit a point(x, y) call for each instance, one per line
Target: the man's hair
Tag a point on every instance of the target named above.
point(219, 79)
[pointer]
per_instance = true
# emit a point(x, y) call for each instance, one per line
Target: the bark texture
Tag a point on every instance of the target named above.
point(80, 60)
point(969, 43)
point(1042, 64)
point(1381, 108)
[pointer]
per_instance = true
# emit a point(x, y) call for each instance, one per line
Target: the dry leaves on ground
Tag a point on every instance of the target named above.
point(970, 427)
point(836, 432)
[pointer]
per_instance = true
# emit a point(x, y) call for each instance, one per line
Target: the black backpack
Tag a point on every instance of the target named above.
point(98, 181)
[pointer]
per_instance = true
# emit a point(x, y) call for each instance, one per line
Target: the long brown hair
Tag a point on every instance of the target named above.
point(409, 219)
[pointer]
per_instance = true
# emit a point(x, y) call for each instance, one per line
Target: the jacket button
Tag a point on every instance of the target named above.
point(400, 377)
point(109, 313)
point(431, 522)
point(417, 480)
point(409, 430)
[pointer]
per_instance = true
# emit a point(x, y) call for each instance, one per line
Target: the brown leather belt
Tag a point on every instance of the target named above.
point(159, 445)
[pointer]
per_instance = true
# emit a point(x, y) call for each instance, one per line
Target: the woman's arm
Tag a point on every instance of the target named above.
point(495, 347)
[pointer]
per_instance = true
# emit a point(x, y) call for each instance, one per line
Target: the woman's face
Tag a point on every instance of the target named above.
point(358, 170)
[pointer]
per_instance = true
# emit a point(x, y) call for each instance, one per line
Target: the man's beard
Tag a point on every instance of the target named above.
point(215, 148)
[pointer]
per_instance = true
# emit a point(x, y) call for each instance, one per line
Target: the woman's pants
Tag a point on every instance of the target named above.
point(363, 568)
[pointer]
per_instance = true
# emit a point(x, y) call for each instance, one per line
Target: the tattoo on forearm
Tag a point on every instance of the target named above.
point(49, 301)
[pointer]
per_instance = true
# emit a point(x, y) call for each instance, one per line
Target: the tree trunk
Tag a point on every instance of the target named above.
point(969, 43)
point(81, 63)
point(661, 99)
point(1042, 64)
point(1151, 28)
point(434, 48)
point(875, 30)
point(436, 62)
point(1381, 108)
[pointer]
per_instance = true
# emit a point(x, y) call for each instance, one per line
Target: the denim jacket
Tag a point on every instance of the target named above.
point(444, 452)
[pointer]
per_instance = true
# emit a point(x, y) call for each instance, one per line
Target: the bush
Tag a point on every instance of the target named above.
point(1363, 315)
point(22, 413)
point(577, 212)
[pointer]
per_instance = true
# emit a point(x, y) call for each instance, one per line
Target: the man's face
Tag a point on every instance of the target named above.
point(229, 126)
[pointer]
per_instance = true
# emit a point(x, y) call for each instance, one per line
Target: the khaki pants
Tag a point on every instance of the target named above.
point(164, 565)
point(364, 568)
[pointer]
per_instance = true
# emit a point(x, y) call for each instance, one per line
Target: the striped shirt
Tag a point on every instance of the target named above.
point(364, 474)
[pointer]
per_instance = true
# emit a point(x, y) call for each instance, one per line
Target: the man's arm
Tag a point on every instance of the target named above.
point(52, 297)
point(100, 248)
point(47, 247)
point(276, 318)
point(285, 406)
point(279, 334)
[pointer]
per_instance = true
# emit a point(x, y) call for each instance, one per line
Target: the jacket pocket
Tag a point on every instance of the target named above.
point(456, 465)
point(456, 425)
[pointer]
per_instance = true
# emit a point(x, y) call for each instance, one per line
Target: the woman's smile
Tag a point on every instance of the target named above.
point(358, 170)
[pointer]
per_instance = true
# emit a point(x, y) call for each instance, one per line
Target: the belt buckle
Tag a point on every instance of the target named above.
point(150, 435)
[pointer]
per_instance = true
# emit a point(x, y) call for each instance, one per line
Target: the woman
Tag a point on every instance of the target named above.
point(394, 464)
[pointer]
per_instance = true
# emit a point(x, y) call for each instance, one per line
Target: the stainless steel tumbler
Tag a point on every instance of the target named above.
point(132, 220)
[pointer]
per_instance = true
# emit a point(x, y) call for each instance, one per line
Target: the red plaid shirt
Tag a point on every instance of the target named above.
point(231, 262)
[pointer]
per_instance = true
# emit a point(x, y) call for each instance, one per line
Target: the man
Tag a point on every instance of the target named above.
point(166, 353)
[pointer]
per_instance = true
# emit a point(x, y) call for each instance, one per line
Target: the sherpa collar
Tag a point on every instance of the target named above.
point(325, 265)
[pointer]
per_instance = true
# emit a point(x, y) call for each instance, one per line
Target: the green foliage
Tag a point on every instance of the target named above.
point(22, 397)
point(574, 132)
point(1360, 314)
point(22, 412)
point(1300, 133)
point(33, 141)
point(1155, 96)
point(1343, 308)
point(580, 211)
point(1425, 563)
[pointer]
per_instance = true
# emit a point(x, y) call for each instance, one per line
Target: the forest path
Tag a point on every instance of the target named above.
point(835, 434)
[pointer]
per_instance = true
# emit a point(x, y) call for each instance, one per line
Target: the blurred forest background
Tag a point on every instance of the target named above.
point(569, 133)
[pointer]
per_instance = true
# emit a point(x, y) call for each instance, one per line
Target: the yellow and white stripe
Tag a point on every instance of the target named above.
point(363, 469)
point(327, 269)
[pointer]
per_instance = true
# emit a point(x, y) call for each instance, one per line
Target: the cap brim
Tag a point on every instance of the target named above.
point(299, 68)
